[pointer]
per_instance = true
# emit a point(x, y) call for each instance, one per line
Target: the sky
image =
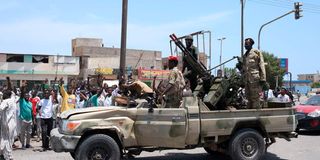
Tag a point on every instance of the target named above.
point(48, 26)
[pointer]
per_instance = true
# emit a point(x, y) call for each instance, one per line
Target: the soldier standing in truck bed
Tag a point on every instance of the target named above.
point(254, 74)
point(172, 93)
point(189, 74)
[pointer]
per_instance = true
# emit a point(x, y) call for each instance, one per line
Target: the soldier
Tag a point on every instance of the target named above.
point(254, 74)
point(172, 93)
point(191, 76)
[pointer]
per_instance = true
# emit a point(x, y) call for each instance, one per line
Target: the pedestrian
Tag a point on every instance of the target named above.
point(25, 116)
point(108, 100)
point(298, 95)
point(8, 122)
point(56, 100)
point(97, 99)
point(68, 98)
point(34, 99)
point(269, 94)
point(45, 108)
point(1, 94)
point(81, 100)
point(254, 73)
point(283, 97)
point(172, 93)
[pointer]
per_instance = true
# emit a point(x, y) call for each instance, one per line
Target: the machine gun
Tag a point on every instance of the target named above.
point(216, 92)
point(197, 67)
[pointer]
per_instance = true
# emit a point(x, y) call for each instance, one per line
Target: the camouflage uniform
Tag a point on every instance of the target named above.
point(192, 77)
point(174, 96)
point(254, 73)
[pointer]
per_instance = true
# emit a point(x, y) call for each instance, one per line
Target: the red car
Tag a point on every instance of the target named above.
point(308, 114)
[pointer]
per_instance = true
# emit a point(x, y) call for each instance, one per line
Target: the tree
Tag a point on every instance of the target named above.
point(315, 85)
point(229, 71)
point(273, 69)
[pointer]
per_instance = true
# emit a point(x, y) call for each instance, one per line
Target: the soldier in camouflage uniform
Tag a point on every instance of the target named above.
point(186, 68)
point(254, 74)
point(172, 94)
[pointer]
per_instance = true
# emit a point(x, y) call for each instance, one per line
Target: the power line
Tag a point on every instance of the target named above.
point(306, 6)
point(311, 8)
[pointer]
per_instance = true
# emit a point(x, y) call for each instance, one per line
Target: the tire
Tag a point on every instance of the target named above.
point(98, 147)
point(247, 144)
point(73, 155)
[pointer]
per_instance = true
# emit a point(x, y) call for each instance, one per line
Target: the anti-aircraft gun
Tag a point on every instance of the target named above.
point(216, 92)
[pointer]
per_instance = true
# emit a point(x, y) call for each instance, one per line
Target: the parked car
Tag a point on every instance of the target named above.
point(308, 114)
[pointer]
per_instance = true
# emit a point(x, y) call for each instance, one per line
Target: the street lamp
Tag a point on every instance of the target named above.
point(221, 39)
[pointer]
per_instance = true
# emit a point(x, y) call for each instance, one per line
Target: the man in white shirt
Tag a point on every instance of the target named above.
point(109, 98)
point(45, 108)
point(7, 124)
point(283, 97)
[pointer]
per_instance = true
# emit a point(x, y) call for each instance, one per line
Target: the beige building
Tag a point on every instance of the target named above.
point(312, 77)
point(95, 58)
point(36, 68)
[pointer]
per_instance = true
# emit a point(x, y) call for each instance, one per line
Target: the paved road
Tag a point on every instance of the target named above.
point(306, 147)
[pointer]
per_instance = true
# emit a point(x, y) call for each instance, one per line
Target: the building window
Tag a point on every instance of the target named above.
point(15, 58)
point(40, 59)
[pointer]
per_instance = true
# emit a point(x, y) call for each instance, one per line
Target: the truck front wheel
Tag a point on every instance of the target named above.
point(98, 147)
point(247, 144)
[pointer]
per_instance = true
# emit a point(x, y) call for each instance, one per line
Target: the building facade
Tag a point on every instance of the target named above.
point(97, 59)
point(36, 68)
point(312, 77)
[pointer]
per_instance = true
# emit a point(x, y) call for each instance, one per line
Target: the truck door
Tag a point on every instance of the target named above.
point(164, 127)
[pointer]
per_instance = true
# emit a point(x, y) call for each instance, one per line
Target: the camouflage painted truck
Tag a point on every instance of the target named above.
point(110, 133)
point(202, 120)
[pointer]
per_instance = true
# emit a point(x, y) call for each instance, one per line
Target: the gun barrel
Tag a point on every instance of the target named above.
point(223, 63)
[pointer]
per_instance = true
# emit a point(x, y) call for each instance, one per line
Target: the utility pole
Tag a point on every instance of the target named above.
point(123, 38)
point(296, 10)
point(242, 26)
point(221, 39)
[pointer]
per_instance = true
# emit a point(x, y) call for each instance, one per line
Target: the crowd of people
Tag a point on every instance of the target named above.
point(280, 95)
point(31, 113)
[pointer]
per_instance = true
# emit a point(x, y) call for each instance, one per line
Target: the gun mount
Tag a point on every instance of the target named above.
point(216, 92)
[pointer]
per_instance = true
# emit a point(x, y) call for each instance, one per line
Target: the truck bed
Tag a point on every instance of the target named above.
point(223, 122)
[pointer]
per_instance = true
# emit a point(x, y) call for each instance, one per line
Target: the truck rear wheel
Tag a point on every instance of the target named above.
point(98, 147)
point(247, 144)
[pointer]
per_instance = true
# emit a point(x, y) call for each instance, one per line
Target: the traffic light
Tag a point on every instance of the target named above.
point(297, 10)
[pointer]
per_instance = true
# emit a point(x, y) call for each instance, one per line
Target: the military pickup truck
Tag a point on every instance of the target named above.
point(113, 132)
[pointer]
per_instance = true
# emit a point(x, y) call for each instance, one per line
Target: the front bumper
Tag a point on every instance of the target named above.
point(63, 143)
point(309, 123)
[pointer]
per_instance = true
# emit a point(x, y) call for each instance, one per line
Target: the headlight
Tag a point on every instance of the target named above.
point(314, 114)
point(69, 126)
